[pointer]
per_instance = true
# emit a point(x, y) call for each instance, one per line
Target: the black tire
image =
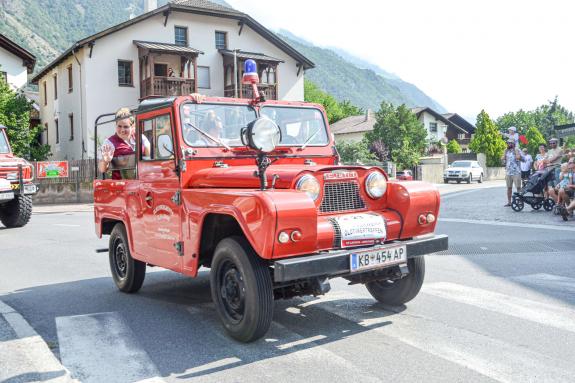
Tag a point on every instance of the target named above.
point(17, 212)
point(128, 273)
point(445, 181)
point(517, 204)
point(458, 181)
point(242, 290)
point(537, 205)
point(396, 293)
point(469, 179)
point(548, 204)
point(480, 180)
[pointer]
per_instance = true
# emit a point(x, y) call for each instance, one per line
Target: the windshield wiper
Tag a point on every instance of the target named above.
point(309, 139)
point(214, 139)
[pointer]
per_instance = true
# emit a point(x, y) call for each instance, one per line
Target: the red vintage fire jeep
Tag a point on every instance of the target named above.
point(16, 187)
point(252, 190)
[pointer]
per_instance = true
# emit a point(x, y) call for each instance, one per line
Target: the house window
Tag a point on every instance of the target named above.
point(125, 73)
point(4, 76)
point(55, 87)
point(70, 79)
point(204, 77)
point(221, 40)
point(181, 36)
point(461, 136)
point(71, 119)
point(45, 93)
point(433, 127)
point(57, 132)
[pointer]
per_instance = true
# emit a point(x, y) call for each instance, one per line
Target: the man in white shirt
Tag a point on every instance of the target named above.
point(526, 163)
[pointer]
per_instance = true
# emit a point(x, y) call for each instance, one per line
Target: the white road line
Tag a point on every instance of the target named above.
point(549, 281)
point(509, 224)
point(102, 348)
point(481, 353)
point(546, 314)
point(65, 225)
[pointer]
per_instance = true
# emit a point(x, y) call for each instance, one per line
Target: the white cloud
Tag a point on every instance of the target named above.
point(468, 55)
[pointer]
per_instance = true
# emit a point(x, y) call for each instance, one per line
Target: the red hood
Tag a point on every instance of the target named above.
point(12, 160)
point(243, 176)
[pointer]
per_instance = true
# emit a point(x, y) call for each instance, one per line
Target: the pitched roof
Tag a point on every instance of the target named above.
point(417, 111)
point(28, 58)
point(354, 124)
point(202, 7)
point(250, 55)
point(167, 48)
point(461, 122)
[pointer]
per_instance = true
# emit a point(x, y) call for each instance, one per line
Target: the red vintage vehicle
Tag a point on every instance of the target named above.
point(252, 190)
point(16, 187)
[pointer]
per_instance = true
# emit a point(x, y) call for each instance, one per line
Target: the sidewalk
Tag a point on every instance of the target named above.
point(24, 356)
point(67, 208)
point(449, 188)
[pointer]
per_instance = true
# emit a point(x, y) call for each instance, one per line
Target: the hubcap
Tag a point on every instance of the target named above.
point(120, 259)
point(232, 291)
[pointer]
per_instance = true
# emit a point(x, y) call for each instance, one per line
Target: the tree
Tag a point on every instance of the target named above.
point(400, 130)
point(534, 139)
point(453, 147)
point(335, 110)
point(355, 152)
point(488, 140)
point(15, 114)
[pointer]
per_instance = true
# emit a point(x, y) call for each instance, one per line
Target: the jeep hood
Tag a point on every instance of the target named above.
point(9, 160)
point(243, 176)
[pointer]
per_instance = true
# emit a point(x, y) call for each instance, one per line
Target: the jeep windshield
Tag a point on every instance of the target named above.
point(299, 126)
point(4, 149)
point(214, 124)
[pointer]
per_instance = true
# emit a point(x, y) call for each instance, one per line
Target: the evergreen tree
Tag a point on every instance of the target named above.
point(453, 147)
point(534, 139)
point(488, 140)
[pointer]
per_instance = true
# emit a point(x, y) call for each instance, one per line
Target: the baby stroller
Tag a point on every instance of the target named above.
point(536, 184)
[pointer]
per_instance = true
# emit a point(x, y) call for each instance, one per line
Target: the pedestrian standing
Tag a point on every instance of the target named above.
point(512, 159)
point(526, 162)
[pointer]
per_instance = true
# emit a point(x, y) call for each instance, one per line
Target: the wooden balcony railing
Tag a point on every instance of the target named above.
point(166, 86)
point(463, 141)
point(269, 91)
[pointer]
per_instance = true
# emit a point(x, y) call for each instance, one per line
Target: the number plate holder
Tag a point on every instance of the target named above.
point(377, 258)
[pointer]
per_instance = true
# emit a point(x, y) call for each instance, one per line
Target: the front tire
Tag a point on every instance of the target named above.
point(469, 179)
point(128, 273)
point(445, 181)
point(517, 204)
point(242, 290)
point(17, 212)
point(396, 293)
point(480, 180)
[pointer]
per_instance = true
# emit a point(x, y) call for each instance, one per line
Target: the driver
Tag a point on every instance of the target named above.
point(122, 143)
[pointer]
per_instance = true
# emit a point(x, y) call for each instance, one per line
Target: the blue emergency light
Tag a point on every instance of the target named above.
point(250, 72)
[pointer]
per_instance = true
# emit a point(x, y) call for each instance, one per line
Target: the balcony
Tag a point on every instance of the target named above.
point(245, 91)
point(166, 86)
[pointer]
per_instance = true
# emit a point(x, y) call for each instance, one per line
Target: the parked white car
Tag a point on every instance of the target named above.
point(463, 171)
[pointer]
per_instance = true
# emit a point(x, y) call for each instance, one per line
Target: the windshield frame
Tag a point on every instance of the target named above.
point(182, 123)
point(3, 137)
point(325, 124)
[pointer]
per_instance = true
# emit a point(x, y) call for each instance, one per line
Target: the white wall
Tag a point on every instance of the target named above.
point(14, 67)
point(426, 119)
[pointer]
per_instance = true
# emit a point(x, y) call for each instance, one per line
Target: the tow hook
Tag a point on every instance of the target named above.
point(320, 286)
point(403, 271)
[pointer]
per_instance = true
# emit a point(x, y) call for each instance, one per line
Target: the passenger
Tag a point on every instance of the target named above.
point(122, 143)
point(567, 184)
point(512, 135)
point(526, 162)
point(556, 192)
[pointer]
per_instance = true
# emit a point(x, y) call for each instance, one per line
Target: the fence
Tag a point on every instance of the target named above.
point(76, 188)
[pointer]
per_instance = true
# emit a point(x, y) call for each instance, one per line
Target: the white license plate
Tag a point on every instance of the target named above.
point(377, 258)
point(4, 196)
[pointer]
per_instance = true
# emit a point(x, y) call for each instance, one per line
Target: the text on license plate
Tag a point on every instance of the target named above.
point(377, 258)
point(6, 196)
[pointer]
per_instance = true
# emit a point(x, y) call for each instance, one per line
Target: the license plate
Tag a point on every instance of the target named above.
point(377, 258)
point(4, 196)
point(361, 229)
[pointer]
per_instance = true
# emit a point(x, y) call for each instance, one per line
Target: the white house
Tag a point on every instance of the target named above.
point(435, 124)
point(199, 41)
point(15, 63)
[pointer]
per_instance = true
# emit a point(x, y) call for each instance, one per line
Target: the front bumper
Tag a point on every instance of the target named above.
point(456, 177)
point(6, 195)
point(336, 263)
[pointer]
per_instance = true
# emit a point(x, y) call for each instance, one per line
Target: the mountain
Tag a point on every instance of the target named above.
point(348, 77)
point(48, 27)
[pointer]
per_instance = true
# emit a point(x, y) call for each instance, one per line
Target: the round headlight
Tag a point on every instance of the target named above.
point(263, 135)
point(375, 185)
point(309, 185)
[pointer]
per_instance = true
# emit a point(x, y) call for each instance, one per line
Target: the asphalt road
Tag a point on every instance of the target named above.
point(498, 306)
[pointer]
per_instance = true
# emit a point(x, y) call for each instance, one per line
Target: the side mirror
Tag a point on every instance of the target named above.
point(165, 146)
point(262, 135)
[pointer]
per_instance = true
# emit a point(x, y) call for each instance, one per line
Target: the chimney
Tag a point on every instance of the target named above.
point(150, 5)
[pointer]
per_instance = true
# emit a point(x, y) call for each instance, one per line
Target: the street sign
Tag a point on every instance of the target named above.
point(52, 169)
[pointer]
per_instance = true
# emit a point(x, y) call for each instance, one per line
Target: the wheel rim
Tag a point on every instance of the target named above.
point(120, 259)
point(232, 291)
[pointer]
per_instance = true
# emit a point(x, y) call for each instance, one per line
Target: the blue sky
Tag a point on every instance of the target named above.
point(469, 55)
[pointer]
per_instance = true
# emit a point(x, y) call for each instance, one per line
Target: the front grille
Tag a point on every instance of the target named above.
point(340, 197)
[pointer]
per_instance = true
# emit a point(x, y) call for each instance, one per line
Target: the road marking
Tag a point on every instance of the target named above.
point(457, 194)
point(65, 225)
point(543, 313)
point(101, 347)
point(481, 353)
point(510, 224)
point(548, 281)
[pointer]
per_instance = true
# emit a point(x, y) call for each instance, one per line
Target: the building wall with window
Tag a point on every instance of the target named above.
point(98, 91)
point(13, 69)
point(435, 128)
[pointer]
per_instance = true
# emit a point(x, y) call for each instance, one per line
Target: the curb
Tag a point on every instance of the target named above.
point(32, 359)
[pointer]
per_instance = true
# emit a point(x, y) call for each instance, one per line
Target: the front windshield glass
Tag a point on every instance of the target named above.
point(461, 164)
point(299, 126)
point(4, 149)
point(215, 124)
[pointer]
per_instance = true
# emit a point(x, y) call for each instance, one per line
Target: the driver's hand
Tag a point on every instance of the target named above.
point(198, 98)
point(107, 153)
